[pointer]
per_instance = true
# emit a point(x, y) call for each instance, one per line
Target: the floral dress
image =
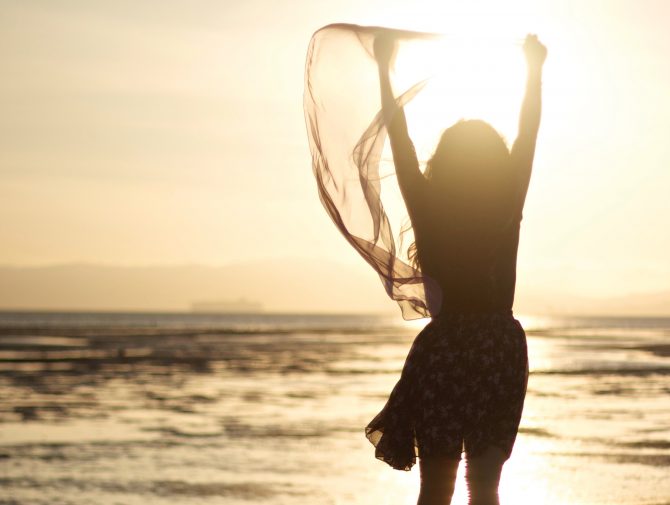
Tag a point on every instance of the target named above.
point(462, 388)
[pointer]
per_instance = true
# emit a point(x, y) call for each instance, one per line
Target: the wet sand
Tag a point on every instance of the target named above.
point(272, 411)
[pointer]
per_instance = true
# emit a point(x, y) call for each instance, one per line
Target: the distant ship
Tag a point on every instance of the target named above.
point(239, 306)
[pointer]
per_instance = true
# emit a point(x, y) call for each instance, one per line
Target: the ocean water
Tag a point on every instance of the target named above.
point(190, 408)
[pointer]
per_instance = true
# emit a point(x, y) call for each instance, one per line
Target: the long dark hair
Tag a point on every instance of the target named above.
point(471, 181)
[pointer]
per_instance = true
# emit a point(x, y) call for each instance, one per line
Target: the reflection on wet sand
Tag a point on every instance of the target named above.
point(258, 410)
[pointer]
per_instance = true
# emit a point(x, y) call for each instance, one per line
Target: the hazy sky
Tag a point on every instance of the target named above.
point(165, 132)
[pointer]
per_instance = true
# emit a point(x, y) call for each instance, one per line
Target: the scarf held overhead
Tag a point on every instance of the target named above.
point(355, 178)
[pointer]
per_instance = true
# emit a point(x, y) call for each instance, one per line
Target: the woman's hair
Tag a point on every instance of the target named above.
point(470, 179)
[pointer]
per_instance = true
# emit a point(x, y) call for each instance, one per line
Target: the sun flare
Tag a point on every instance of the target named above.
point(467, 78)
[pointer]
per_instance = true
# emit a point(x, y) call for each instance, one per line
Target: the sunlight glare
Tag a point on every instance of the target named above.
point(469, 78)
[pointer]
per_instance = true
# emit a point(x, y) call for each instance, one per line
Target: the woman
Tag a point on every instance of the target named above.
point(464, 380)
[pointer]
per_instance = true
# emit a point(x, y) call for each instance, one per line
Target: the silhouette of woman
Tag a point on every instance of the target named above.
point(464, 381)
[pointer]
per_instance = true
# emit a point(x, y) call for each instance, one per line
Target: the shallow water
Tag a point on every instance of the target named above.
point(185, 408)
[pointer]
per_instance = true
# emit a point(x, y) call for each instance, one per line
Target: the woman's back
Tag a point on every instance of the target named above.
point(476, 270)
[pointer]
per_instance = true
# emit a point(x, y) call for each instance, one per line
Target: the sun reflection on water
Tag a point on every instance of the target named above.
point(281, 418)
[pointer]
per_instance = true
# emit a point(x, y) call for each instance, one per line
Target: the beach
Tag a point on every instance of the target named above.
point(134, 408)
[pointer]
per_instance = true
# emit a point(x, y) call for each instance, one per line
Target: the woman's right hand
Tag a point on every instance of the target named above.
point(535, 52)
point(384, 49)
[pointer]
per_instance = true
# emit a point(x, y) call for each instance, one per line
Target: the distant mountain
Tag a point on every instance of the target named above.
point(290, 285)
point(531, 301)
point(281, 285)
point(638, 304)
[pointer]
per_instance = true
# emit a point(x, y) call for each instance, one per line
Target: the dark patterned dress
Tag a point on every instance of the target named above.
point(462, 388)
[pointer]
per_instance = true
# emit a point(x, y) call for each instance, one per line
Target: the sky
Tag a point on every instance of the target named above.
point(172, 132)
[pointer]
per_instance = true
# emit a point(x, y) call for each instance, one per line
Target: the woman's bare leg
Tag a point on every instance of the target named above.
point(482, 475)
point(438, 476)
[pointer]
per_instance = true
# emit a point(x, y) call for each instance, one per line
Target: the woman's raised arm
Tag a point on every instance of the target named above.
point(523, 150)
point(410, 178)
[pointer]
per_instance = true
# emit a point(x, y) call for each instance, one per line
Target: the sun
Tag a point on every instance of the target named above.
point(468, 78)
point(473, 67)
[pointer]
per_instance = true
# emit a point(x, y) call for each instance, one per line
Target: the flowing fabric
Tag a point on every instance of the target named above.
point(356, 180)
point(346, 134)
